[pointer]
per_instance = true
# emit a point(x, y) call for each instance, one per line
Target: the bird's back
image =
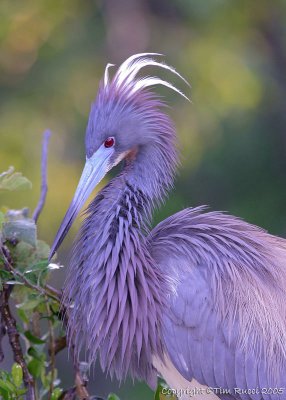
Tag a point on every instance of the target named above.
point(226, 325)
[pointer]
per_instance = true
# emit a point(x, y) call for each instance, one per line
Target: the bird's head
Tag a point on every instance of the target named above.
point(119, 124)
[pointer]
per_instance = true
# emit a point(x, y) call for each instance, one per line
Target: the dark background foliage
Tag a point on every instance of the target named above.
point(232, 136)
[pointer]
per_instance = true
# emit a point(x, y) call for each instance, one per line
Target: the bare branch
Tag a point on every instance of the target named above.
point(3, 329)
point(52, 349)
point(69, 394)
point(60, 343)
point(44, 185)
point(81, 384)
point(14, 339)
point(53, 291)
point(80, 389)
point(9, 323)
point(2, 334)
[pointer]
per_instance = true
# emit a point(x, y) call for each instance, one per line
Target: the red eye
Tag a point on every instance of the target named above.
point(109, 142)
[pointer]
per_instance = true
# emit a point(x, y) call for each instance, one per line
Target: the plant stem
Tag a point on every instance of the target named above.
point(14, 339)
point(44, 185)
point(52, 349)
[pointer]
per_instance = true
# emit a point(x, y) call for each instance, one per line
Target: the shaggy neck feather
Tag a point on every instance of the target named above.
point(117, 290)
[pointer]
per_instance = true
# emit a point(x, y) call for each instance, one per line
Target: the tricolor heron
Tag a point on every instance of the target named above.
point(201, 298)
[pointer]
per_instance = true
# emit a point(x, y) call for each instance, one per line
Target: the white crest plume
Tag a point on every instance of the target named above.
point(125, 76)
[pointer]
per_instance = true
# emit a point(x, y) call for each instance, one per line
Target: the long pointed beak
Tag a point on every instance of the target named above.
point(94, 170)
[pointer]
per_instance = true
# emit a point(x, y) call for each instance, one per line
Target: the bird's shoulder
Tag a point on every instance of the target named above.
point(229, 286)
point(214, 237)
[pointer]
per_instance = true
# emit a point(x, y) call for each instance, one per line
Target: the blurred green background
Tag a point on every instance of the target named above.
point(232, 136)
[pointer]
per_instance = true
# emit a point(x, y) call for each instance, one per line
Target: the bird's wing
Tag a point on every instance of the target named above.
point(225, 303)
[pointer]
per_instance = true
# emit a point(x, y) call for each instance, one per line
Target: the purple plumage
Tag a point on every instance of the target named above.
point(201, 297)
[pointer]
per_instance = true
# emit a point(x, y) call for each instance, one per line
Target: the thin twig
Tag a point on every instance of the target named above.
point(80, 368)
point(44, 185)
point(57, 293)
point(2, 334)
point(14, 339)
point(69, 394)
point(81, 379)
point(81, 384)
point(2, 325)
point(80, 389)
point(35, 322)
point(52, 349)
point(60, 343)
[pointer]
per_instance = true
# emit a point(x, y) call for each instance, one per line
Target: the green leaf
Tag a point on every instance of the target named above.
point(4, 375)
point(56, 393)
point(35, 367)
point(17, 374)
point(40, 266)
point(112, 396)
point(33, 339)
point(4, 394)
point(35, 354)
point(29, 304)
point(23, 252)
point(8, 386)
point(23, 316)
point(5, 275)
point(161, 396)
point(10, 180)
point(21, 391)
point(158, 392)
point(43, 250)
